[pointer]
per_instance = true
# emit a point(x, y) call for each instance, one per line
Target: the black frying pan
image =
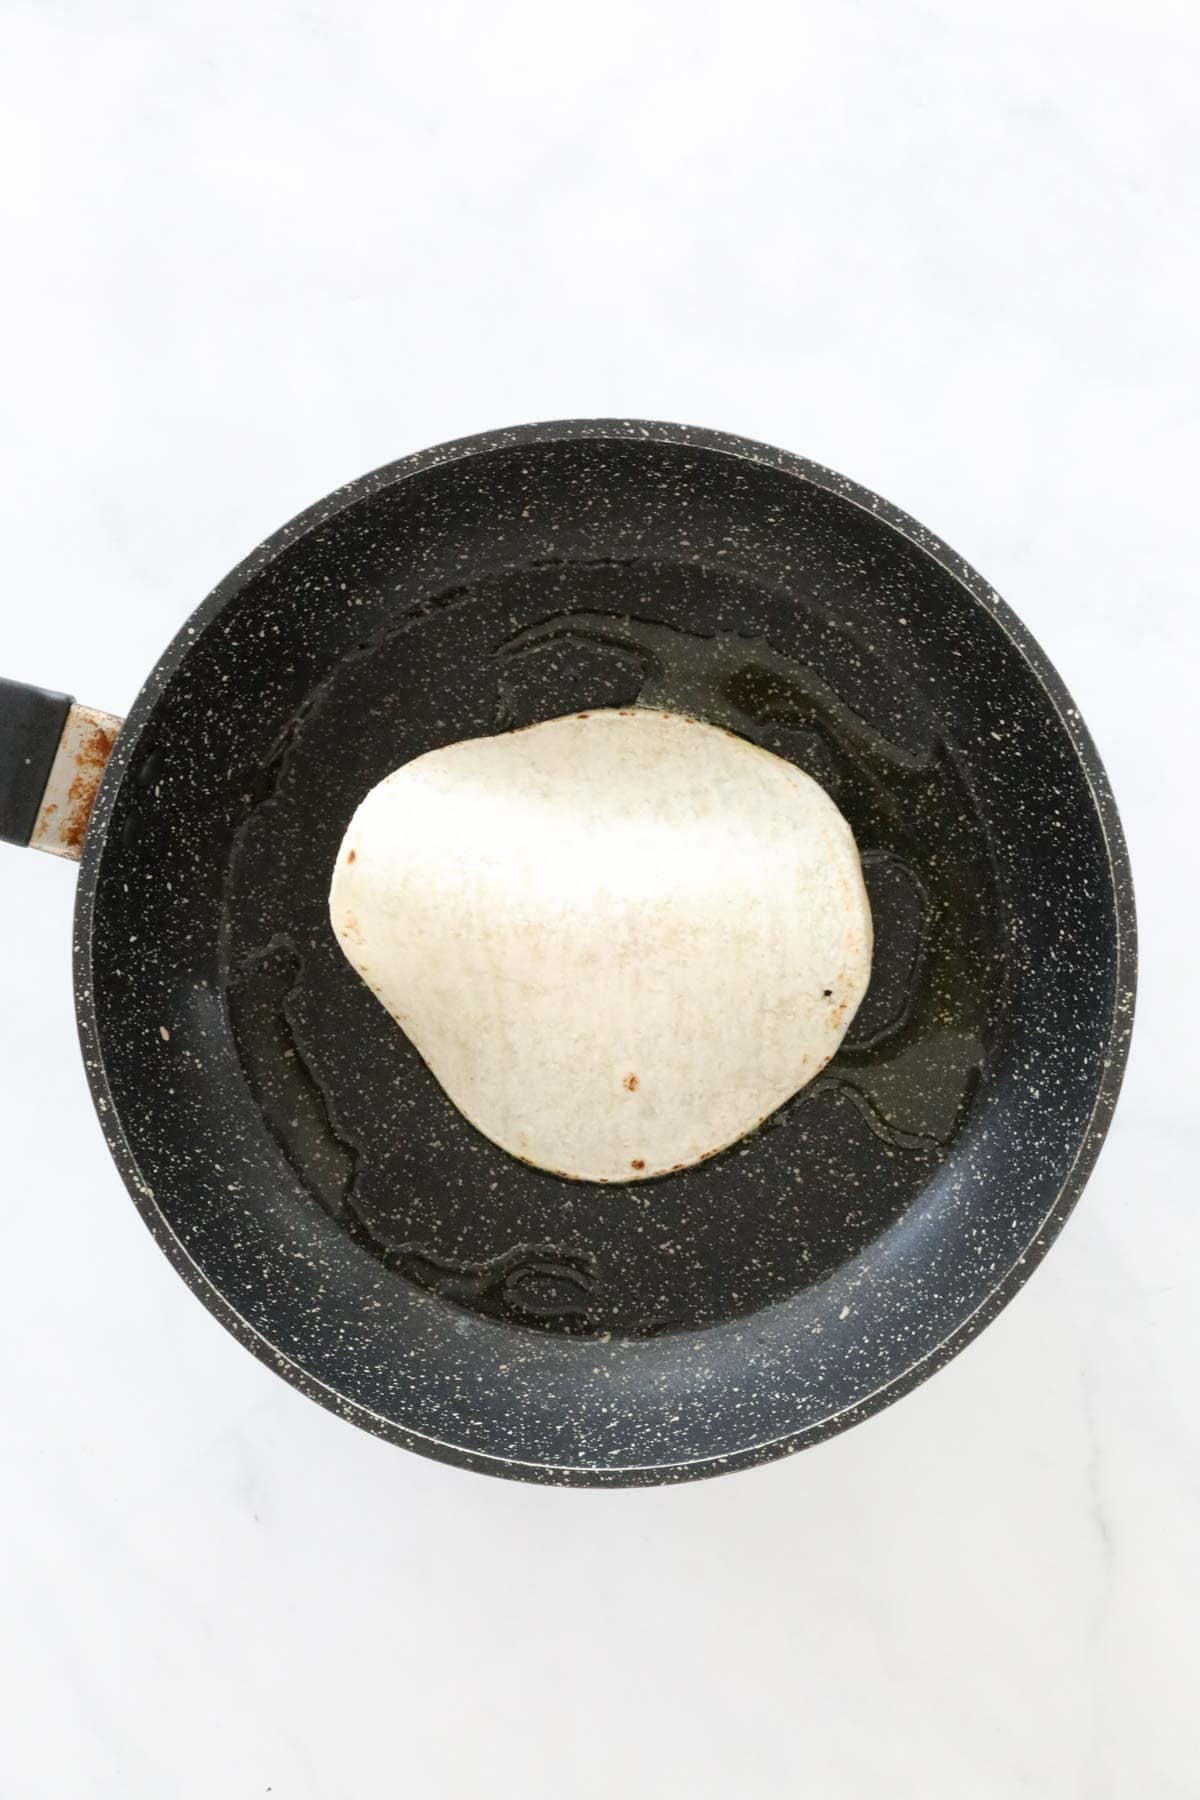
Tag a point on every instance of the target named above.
point(300, 1165)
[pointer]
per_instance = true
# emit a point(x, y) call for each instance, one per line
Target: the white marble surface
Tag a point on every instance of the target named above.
point(252, 251)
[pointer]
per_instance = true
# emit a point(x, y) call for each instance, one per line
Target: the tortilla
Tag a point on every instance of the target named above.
point(620, 940)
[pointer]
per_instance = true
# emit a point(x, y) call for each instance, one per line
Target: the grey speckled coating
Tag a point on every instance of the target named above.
point(408, 1274)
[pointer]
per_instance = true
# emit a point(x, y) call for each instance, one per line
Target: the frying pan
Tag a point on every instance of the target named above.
point(299, 1164)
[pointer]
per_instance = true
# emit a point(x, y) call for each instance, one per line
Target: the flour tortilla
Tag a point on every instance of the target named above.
point(619, 940)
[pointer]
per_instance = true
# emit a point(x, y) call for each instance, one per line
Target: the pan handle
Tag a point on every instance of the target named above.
point(52, 755)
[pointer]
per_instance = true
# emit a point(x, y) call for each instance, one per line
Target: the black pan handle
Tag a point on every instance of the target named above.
point(31, 728)
point(52, 755)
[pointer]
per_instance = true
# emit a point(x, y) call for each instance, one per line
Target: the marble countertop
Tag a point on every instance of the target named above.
point(949, 250)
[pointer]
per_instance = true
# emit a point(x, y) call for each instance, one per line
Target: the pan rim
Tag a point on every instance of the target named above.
point(1120, 900)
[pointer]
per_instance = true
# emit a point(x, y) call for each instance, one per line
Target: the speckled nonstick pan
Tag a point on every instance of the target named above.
point(300, 1165)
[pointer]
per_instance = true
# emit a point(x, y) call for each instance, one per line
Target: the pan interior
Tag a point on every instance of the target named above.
point(368, 1128)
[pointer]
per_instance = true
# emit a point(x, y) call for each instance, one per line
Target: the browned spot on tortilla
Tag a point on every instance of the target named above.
point(638, 1163)
point(630, 1082)
point(353, 856)
point(90, 759)
point(626, 712)
point(583, 715)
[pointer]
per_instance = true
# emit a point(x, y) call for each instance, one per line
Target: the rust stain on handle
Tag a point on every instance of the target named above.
point(83, 751)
